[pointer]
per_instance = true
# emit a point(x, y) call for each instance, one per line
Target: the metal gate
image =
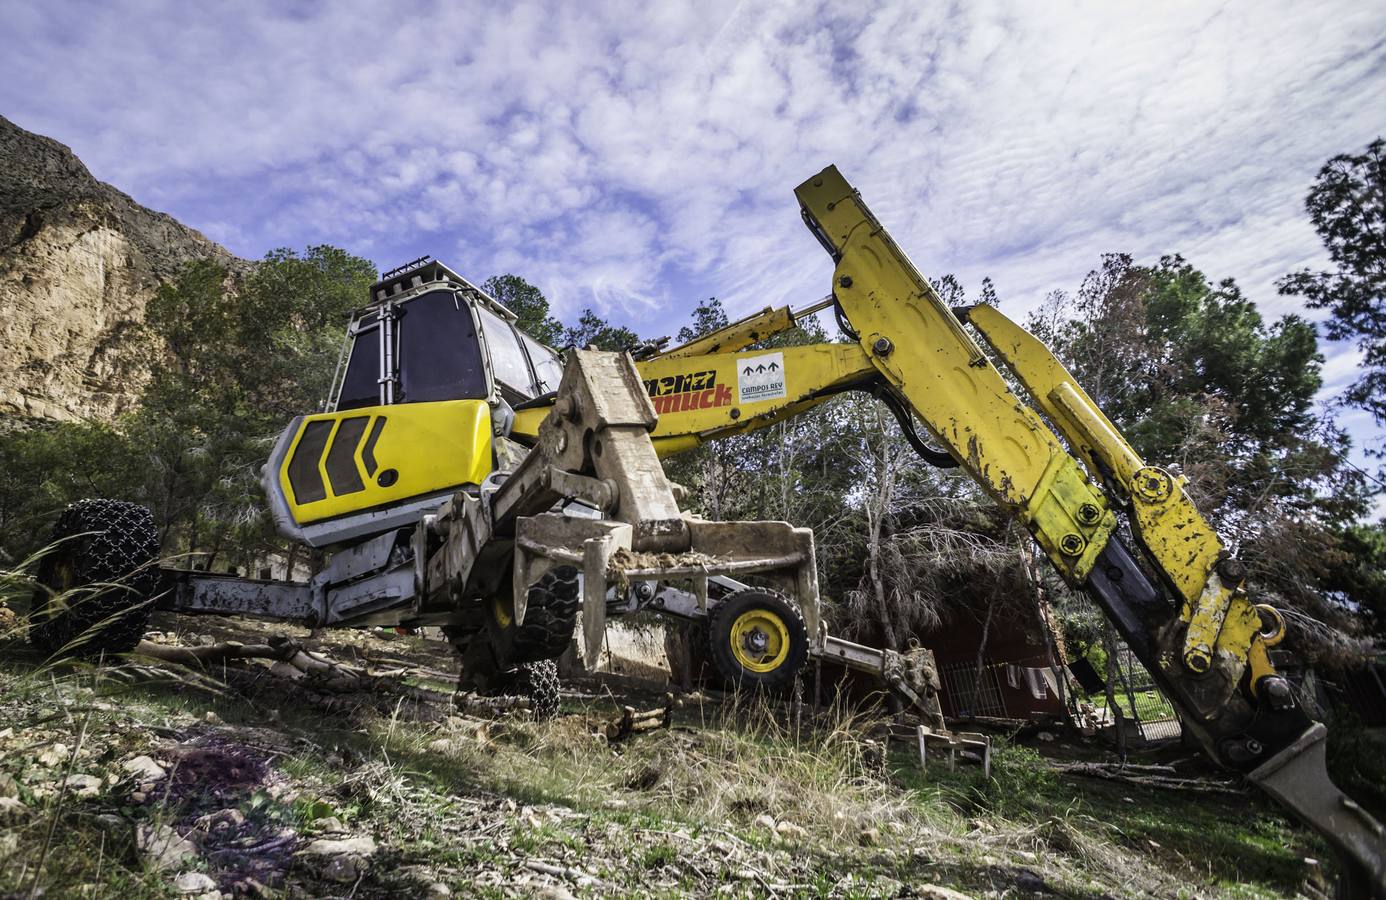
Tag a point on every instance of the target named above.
point(964, 694)
point(1141, 701)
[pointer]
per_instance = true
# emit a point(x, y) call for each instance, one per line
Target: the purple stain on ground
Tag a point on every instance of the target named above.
point(212, 782)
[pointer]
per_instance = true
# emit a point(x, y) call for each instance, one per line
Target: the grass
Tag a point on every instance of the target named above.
point(669, 813)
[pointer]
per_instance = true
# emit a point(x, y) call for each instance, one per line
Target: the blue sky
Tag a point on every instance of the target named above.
point(637, 157)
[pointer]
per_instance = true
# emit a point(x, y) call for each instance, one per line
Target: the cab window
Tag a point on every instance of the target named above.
point(361, 384)
point(439, 357)
point(548, 368)
point(507, 358)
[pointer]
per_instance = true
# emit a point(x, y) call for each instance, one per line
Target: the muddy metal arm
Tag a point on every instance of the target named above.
point(1208, 648)
point(1194, 626)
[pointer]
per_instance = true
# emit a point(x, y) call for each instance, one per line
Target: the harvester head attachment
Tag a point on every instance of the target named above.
point(594, 446)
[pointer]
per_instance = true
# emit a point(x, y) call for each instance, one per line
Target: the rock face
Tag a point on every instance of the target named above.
point(79, 261)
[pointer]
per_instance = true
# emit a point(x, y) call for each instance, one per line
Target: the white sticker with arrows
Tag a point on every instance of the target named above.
point(760, 378)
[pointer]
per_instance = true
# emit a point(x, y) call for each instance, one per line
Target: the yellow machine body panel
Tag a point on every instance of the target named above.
point(359, 459)
point(707, 397)
point(701, 398)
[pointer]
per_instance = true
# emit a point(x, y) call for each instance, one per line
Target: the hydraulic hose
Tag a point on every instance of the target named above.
point(941, 459)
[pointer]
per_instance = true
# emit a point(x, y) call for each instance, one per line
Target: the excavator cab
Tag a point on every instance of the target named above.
point(431, 371)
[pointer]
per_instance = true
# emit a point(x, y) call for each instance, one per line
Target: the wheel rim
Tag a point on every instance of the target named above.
point(500, 608)
point(759, 640)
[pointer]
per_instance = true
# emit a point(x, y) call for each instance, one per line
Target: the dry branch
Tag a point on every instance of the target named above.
point(291, 661)
point(630, 721)
point(471, 703)
point(1143, 777)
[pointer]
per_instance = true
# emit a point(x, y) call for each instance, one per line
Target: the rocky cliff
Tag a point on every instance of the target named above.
point(79, 260)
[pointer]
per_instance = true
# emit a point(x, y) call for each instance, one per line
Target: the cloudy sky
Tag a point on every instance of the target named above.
point(637, 157)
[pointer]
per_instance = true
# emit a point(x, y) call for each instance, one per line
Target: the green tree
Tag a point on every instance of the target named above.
point(528, 303)
point(47, 465)
point(1360, 570)
point(1347, 205)
point(242, 359)
point(238, 356)
point(594, 331)
point(1196, 379)
point(988, 293)
point(708, 316)
point(950, 290)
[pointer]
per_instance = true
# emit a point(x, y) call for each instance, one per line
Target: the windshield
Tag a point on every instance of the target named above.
point(436, 355)
point(439, 357)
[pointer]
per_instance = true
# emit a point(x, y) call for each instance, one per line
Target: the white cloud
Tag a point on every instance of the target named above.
point(636, 156)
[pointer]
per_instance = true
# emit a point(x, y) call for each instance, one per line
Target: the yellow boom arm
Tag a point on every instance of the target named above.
point(1194, 626)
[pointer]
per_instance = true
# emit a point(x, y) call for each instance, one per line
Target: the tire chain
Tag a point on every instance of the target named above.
point(105, 541)
point(536, 681)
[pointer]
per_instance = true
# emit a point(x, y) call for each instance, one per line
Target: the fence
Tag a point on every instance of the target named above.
point(964, 694)
point(1141, 701)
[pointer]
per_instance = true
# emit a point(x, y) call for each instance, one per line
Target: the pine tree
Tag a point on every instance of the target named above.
point(1347, 205)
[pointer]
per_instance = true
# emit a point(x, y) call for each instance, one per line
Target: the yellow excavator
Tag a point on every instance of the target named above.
point(467, 476)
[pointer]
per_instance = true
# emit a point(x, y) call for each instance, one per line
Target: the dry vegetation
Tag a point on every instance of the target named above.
point(141, 779)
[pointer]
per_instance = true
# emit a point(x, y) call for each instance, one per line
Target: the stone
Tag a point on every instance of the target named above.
point(346, 868)
point(163, 848)
point(869, 837)
point(361, 846)
point(1047, 736)
point(790, 831)
point(144, 768)
point(939, 892)
point(554, 892)
point(52, 756)
point(437, 889)
point(765, 821)
point(329, 825)
point(220, 820)
point(83, 785)
point(194, 883)
point(79, 262)
point(12, 811)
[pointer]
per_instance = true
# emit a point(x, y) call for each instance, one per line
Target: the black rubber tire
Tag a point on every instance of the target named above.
point(535, 681)
point(96, 542)
point(550, 617)
point(723, 617)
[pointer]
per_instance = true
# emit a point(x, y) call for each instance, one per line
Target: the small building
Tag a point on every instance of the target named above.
point(1018, 677)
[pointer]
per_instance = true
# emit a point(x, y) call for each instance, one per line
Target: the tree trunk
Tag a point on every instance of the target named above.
point(981, 657)
point(1044, 613)
point(1110, 645)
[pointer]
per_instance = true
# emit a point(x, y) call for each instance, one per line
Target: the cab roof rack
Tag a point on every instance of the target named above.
point(415, 273)
point(427, 270)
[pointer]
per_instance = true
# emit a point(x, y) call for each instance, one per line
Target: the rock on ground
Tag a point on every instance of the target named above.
point(163, 848)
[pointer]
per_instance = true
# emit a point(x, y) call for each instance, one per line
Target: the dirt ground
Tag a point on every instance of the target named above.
point(144, 779)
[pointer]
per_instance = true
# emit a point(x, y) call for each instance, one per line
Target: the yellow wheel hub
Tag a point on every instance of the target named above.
point(759, 640)
point(501, 608)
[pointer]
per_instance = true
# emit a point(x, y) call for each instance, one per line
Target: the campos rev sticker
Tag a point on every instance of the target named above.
point(760, 377)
